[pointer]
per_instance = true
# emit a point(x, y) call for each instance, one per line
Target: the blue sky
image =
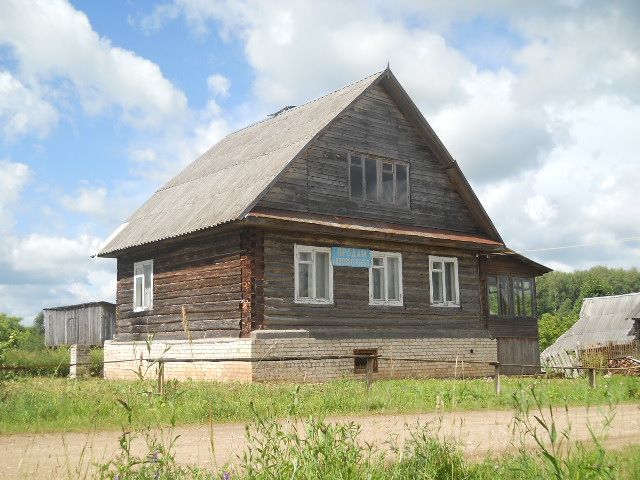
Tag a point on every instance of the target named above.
point(102, 102)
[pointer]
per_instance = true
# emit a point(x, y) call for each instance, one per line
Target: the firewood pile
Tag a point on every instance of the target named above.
point(630, 365)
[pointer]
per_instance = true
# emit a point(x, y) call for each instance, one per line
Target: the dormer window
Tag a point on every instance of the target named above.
point(378, 180)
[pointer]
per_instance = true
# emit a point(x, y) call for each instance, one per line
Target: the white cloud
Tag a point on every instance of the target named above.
point(13, 178)
point(92, 201)
point(53, 40)
point(22, 110)
point(219, 85)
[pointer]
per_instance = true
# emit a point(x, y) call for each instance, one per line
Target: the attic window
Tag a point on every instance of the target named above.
point(377, 180)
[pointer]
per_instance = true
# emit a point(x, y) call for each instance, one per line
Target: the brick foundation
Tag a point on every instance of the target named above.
point(283, 346)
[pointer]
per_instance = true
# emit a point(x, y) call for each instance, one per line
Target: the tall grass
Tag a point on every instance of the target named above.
point(56, 404)
point(310, 448)
point(53, 362)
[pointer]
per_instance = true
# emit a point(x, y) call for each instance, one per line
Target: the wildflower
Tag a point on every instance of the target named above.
point(226, 476)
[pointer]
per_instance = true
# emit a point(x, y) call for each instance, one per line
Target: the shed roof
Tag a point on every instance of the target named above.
point(226, 182)
point(602, 320)
point(82, 305)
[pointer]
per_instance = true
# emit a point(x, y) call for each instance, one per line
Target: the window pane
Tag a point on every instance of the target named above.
point(378, 283)
point(518, 300)
point(527, 286)
point(437, 266)
point(148, 272)
point(436, 286)
point(378, 261)
point(304, 279)
point(493, 299)
point(355, 174)
point(371, 174)
point(322, 275)
point(387, 182)
point(504, 295)
point(305, 256)
point(393, 282)
point(402, 185)
point(138, 291)
point(450, 281)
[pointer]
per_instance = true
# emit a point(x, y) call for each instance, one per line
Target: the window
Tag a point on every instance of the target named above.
point(313, 275)
point(443, 272)
point(498, 295)
point(523, 297)
point(385, 279)
point(143, 286)
point(378, 180)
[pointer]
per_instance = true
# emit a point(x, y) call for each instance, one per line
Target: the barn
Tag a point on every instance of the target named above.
point(328, 231)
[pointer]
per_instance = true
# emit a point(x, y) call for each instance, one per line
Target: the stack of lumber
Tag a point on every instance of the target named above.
point(630, 366)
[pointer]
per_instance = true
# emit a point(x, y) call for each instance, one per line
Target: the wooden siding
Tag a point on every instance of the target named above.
point(374, 126)
point(351, 315)
point(203, 274)
point(89, 324)
point(519, 351)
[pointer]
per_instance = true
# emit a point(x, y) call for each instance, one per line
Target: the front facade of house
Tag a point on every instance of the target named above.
point(336, 229)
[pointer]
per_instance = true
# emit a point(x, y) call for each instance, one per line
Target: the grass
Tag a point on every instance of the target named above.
point(47, 361)
point(42, 404)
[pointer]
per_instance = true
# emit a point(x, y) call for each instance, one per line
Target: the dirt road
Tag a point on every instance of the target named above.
point(72, 455)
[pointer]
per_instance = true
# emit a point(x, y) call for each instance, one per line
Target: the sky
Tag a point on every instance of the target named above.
point(103, 102)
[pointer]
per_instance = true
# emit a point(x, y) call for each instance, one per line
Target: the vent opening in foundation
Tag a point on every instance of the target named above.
point(360, 360)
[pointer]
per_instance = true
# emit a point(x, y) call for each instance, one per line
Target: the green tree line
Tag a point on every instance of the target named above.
point(560, 295)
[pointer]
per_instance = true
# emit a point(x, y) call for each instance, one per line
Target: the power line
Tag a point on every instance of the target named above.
point(580, 245)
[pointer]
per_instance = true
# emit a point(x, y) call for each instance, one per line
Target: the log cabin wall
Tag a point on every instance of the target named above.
point(351, 316)
point(373, 126)
point(207, 274)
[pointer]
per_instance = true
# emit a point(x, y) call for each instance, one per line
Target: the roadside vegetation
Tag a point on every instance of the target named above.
point(308, 448)
point(43, 404)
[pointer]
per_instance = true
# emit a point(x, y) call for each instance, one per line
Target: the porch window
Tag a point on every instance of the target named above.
point(313, 275)
point(498, 295)
point(523, 297)
point(443, 272)
point(385, 279)
point(376, 180)
point(143, 286)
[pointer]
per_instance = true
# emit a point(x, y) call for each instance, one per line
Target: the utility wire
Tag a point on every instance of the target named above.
point(580, 245)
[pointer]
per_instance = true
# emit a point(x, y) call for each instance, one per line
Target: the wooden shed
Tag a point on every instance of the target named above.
point(83, 324)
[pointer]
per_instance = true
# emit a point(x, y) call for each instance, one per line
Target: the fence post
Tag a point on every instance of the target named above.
point(592, 377)
point(497, 377)
point(161, 377)
point(369, 372)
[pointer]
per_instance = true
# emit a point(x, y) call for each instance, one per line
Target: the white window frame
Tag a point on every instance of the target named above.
point(386, 301)
point(144, 307)
point(312, 287)
point(444, 302)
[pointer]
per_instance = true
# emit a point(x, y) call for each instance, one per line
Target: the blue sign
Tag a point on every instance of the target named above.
point(351, 257)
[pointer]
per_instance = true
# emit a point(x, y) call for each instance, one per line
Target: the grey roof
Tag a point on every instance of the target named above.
point(602, 320)
point(226, 181)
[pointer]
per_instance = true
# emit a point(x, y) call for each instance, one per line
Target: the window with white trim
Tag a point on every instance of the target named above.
point(443, 275)
point(313, 275)
point(143, 286)
point(385, 279)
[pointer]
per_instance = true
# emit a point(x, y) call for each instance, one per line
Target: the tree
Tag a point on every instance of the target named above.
point(38, 323)
point(9, 325)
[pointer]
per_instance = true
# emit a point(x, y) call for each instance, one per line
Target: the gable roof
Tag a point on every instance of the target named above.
point(227, 181)
point(602, 320)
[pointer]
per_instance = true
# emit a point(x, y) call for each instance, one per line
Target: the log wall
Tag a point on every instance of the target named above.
point(351, 315)
point(204, 274)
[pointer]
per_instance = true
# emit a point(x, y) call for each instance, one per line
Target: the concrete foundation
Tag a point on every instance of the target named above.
point(263, 358)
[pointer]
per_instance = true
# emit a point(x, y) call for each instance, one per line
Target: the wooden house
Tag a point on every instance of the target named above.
point(338, 227)
point(88, 324)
